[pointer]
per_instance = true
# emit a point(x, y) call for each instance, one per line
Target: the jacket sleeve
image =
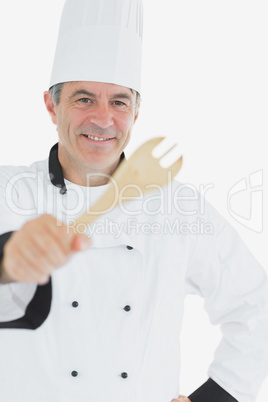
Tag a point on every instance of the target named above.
point(210, 391)
point(23, 305)
point(235, 291)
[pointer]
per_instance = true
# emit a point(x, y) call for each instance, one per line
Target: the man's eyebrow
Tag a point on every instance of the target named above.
point(122, 95)
point(83, 92)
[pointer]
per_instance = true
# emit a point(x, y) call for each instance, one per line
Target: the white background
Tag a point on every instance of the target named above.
point(205, 84)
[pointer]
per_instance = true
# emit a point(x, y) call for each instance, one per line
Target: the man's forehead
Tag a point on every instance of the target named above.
point(96, 88)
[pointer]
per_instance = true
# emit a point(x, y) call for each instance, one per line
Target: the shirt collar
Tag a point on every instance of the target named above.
point(55, 169)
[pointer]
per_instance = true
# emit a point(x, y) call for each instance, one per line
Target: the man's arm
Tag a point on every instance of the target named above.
point(28, 257)
point(235, 291)
point(15, 297)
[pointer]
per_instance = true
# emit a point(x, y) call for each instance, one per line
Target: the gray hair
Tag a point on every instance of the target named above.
point(56, 90)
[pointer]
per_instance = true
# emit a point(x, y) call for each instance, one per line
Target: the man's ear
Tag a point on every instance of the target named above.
point(51, 107)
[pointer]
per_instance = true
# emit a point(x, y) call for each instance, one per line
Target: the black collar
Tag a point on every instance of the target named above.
point(55, 169)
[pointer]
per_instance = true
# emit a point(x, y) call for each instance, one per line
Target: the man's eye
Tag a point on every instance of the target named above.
point(119, 103)
point(84, 100)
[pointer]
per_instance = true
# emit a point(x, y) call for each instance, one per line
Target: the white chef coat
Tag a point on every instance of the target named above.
point(112, 333)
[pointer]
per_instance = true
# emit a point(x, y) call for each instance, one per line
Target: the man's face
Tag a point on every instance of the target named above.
point(94, 122)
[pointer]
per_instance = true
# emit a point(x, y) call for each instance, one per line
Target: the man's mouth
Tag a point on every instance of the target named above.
point(94, 138)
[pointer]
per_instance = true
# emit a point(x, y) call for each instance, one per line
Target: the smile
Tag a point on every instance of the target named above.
point(92, 137)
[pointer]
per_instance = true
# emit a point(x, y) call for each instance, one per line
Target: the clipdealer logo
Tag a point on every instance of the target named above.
point(185, 199)
point(131, 226)
point(245, 201)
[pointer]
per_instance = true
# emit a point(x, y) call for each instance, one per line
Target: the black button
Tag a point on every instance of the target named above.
point(124, 375)
point(129, 248)
point(74, 373)
point(127, 308)
point(75, 304)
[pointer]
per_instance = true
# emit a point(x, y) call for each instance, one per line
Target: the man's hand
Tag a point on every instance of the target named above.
point(41, 246)
point(181, 398)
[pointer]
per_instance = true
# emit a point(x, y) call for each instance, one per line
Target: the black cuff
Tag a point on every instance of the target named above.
point(210, 391)
point(38, 309)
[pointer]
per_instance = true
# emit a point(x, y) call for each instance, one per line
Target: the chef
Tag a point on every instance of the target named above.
point(98, 318)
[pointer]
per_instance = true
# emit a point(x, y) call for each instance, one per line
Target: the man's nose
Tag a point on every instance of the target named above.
point(102, 116)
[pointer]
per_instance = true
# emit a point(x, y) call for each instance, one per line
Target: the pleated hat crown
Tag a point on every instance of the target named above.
point(100, 40)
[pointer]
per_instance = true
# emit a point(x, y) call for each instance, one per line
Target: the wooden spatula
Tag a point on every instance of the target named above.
point(140, 174)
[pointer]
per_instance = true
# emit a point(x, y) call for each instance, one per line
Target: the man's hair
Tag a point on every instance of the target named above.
point(56, 90)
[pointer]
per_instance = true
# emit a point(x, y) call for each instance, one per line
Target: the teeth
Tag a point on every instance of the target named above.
point(91, 137)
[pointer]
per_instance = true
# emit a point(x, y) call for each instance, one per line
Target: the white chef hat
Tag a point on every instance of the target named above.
point(100, 40)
